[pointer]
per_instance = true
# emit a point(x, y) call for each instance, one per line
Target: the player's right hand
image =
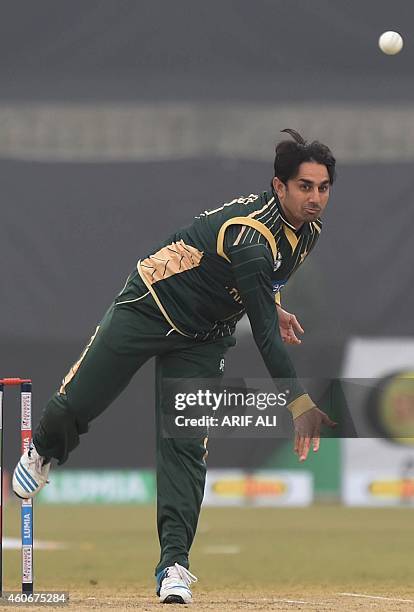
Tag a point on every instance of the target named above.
point(289, 326)
point(308, 431)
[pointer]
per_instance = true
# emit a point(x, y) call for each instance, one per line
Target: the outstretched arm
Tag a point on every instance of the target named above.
point(252, 268)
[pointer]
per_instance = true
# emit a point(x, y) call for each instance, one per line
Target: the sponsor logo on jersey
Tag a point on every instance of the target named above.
point(278, 285)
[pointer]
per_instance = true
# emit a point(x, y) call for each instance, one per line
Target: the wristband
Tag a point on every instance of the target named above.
point(300, 405)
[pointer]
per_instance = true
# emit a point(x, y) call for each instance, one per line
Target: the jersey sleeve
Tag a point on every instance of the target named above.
point(252, 269)
point(242, 235)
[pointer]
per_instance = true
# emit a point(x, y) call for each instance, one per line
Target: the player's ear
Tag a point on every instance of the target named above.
point(279, 187)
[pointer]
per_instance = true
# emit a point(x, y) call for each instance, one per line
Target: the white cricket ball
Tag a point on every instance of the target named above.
point(390, 43)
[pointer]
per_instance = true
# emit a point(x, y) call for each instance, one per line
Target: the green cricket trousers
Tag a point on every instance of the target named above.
point(131, 332)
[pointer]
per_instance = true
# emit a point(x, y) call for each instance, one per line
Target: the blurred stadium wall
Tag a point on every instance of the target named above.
point(121, 121)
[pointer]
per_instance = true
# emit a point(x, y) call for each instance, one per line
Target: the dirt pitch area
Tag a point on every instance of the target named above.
point(204, 601)
point(325, 557)
point(234, 601)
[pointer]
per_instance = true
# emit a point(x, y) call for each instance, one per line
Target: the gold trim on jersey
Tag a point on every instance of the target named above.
point(241, 200)
point(253, 214)
point(172, 259)
point(76, 365)
point(205, 446)
point(291, 236)
point(316, 226)
point(124, 287)
point(257, 225)
point(241, 232)
point(158, 301)
point(278, 299)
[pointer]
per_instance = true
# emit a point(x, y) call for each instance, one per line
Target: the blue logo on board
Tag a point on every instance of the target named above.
point(27, 525)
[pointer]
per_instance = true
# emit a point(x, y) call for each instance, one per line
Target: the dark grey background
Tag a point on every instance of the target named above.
point(221, 49)
point(70, 232)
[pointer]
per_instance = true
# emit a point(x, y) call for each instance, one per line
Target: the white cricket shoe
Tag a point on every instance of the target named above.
point(174, 585)
point(30, 474)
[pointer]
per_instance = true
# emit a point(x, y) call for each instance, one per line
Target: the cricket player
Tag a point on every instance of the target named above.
point(181, 305)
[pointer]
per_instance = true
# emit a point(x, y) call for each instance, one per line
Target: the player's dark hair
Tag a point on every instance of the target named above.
point(290, 154)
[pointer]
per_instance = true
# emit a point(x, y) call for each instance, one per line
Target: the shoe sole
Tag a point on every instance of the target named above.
point(173, 599)
point(19, 496)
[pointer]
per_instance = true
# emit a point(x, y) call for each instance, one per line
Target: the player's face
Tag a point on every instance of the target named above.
point(305, 196)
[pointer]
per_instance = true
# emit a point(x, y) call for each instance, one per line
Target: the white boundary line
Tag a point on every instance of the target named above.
point(291, 601)
point(284, 600)
point(221, 549)
point(376, 597)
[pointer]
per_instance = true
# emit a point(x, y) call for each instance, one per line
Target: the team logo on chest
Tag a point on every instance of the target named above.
point(277, 262)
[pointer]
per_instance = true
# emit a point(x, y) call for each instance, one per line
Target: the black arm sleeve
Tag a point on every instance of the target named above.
point(252, 267)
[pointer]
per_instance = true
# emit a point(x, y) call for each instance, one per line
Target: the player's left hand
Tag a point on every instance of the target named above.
point(289, 326)
point(308, 431)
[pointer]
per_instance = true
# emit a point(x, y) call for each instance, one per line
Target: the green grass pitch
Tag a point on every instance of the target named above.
point(245, 558)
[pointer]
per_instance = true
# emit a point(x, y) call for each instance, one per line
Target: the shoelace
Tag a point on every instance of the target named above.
point(186, 576)
point(38, 461)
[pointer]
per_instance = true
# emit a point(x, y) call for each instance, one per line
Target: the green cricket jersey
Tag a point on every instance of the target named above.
point(232, 260)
